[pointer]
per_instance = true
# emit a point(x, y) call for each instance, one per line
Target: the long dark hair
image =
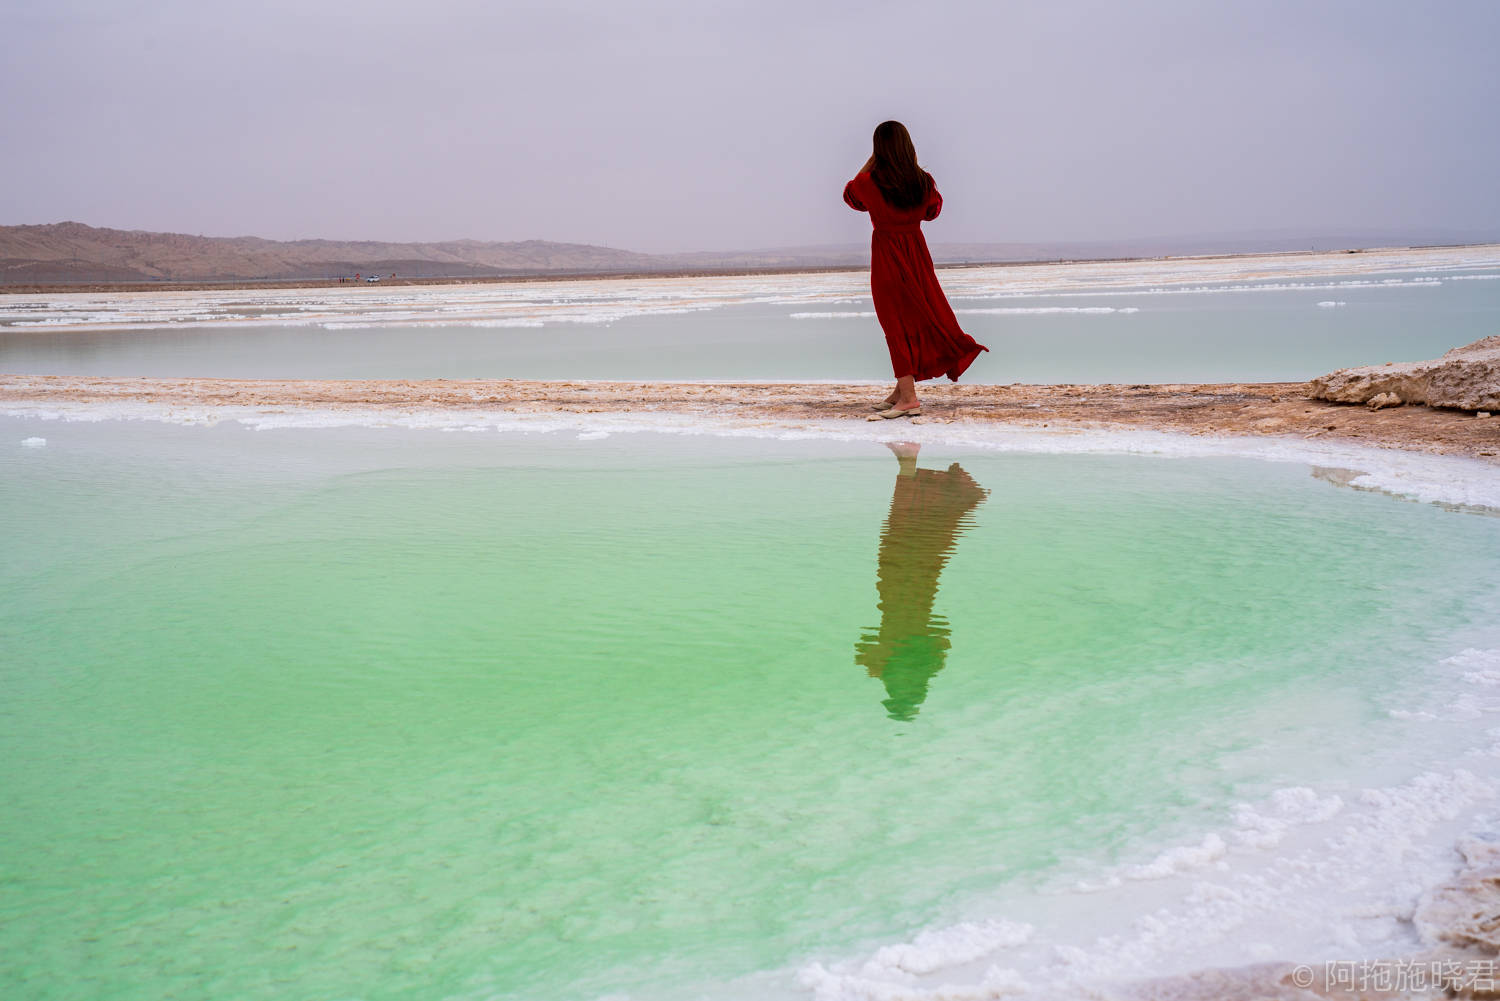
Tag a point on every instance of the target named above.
point(896, 172)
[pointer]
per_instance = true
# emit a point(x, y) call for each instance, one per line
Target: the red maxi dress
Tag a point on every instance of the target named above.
point(920, 329)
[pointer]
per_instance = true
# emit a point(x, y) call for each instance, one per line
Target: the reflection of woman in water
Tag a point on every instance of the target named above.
point(929, 510)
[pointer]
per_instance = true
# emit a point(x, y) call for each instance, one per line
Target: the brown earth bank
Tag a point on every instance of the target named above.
point(1270, 409)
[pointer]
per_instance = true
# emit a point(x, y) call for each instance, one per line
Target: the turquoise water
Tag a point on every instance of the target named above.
point(381, 714)
point(1266, 331)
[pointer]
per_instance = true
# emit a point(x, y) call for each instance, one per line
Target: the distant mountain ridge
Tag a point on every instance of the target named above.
point(72, 252)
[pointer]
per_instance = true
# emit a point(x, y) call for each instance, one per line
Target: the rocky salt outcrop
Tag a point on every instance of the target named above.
point(1458, 924)
point(1464, 913)
point(1466, 378)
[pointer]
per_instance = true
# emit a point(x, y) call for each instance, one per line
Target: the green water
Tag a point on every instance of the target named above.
point(379, 715)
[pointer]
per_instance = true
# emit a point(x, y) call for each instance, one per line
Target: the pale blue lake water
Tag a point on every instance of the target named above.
point(1245, 331)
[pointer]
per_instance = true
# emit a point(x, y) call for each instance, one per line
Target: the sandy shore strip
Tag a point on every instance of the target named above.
point(1227, 409)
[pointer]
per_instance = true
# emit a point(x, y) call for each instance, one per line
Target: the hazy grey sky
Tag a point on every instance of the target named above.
point(690, 124)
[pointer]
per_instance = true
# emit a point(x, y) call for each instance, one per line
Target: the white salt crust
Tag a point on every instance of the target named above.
point(1450, 480)
point(602, 301)
point(1302, 876)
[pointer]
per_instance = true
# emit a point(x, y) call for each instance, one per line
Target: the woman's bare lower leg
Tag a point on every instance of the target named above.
point(905, 396)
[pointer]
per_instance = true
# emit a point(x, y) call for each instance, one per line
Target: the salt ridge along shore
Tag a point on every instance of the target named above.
point(536, 302)
point(708, 270)
point(1428, 454)
point(1260, 409)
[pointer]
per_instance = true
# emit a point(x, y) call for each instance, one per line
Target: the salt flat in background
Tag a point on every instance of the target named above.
point(1273, 318)
point(603, 300)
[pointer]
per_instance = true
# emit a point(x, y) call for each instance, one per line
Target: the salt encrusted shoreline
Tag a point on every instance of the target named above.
point(1226, 409)
point(1459, 920)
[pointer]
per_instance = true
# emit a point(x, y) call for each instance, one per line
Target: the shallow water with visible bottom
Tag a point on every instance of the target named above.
point(379, 714)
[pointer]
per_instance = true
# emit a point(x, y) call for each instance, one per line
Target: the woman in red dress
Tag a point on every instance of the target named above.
point(920, 329)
